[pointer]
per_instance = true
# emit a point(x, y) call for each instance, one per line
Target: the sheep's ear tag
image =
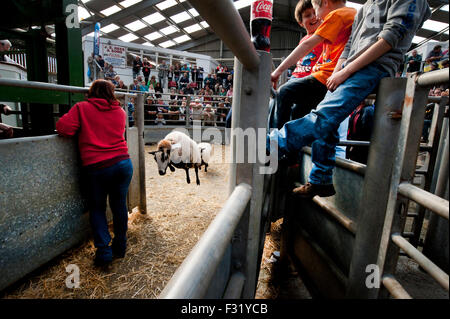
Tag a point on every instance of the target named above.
point(175, 146)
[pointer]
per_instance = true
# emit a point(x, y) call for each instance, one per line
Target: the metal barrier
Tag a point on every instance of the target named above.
point(200, 268)
point(42, 201)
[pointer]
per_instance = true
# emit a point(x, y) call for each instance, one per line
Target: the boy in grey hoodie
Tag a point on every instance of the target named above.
point(381, 34)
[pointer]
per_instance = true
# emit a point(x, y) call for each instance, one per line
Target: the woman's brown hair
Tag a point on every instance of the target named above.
point(102, 89)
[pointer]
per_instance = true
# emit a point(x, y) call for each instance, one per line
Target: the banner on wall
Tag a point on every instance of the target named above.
point(115, 55)
point(97, 39)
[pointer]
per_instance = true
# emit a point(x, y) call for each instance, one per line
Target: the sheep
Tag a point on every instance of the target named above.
point(178, 150)
point(205, 153)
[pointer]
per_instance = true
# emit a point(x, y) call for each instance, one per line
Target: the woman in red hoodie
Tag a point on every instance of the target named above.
point(100, 124)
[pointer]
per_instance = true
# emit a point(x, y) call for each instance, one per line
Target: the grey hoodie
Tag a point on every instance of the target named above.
point(396, 21)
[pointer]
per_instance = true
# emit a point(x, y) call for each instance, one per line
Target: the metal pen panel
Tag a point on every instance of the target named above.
point(438, 274)
point(424, 198)
point(193, 277)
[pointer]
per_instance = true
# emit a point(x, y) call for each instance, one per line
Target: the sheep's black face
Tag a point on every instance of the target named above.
point(162, 159)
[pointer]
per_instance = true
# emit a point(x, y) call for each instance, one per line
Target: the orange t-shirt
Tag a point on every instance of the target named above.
point(335, 29)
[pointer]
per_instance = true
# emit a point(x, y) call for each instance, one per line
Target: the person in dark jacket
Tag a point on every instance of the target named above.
point(100, 125)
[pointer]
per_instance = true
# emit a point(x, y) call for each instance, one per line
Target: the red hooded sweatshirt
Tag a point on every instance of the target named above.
point(101, 128)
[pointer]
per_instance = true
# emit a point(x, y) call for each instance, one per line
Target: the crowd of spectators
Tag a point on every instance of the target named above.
point(174, 88)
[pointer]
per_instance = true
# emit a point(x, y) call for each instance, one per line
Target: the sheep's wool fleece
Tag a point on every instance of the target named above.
point(184, 149)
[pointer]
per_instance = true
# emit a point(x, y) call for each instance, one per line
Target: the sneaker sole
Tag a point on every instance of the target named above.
point(322, 194)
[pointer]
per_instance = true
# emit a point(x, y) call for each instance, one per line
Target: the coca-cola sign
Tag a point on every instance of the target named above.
point(262, 9)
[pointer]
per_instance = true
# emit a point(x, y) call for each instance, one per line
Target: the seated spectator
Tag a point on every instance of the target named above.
point(230, 92)
point(435, 55)
point(445, 93)
point(116, 80)
point(228, 82)
point(182, 110)
point(160, 121)
point(196, 110)
point(184, 81)
point(189, 90)
point(135, 85)
point(152, 81)
point(208, 95)
point(414, 62)
point(222, 92)
point(172, 94)
point(221, 112)
point(151, 110)
point(208, 115)
point(110, 74)
point(158, 89)
point(173, 112)
point(209, 80)
point(216, 88)
point(143, 87)
point(172, 84)
point(121, 85)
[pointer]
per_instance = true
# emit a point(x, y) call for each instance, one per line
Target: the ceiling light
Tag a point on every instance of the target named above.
point(166, 4)
point(434, 25)
point(128, 3)
point(153, 36)
point(204, 24)
point(180, 17)
point(169, 30)
point(111, 10)
point(193, 28)
point(194, 12)
point(136, 25)
point(154, 18)
point(167, 44)
point(128, 37)
point(109, 28)
point(182, 39)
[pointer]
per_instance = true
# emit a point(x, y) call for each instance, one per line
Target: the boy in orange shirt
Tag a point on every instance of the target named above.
point(333, 33)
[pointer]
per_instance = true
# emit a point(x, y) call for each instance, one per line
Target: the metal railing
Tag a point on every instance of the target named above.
point(401, 184)
point(193, 278)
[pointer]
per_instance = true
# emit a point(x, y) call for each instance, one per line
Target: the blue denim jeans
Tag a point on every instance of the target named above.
point(297, 97)
point(320, 127)
point(112, 181)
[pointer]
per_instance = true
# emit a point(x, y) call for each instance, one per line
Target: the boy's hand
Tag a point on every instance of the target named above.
point(337, 78)
point(274, 78)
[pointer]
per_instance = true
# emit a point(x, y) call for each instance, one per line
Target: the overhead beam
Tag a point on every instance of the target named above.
point(134, 9)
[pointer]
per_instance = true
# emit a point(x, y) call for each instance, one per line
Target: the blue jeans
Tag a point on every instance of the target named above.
point(112, 181)
point(297, 97)
point(320, 127)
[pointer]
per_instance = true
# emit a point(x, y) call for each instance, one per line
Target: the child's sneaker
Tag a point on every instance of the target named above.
point(310, 190)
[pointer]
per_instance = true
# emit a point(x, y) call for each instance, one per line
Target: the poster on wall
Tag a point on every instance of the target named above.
point(115, 55)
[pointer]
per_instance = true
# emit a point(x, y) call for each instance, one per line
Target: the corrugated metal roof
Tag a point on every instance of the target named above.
point(176, 24)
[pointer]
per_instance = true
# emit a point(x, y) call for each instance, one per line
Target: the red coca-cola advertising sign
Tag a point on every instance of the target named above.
point(262, 9)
